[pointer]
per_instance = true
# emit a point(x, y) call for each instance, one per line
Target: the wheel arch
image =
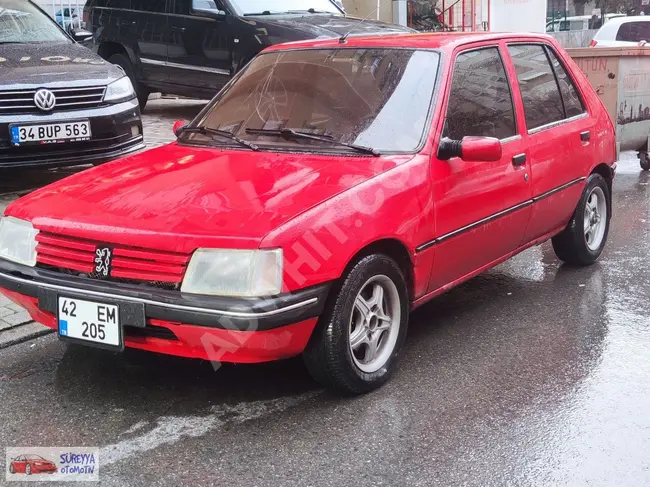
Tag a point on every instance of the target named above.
point(606, 172)
point(390, 247)
point(109, 48)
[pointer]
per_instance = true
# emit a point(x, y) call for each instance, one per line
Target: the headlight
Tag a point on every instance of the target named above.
point(18, 241)
point(119, 90)
point(245, 273)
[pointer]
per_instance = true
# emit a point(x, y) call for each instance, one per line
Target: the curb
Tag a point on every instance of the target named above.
point(23, 333)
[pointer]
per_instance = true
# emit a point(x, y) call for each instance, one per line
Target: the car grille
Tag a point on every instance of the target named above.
point(163, 270)
point(22, 101)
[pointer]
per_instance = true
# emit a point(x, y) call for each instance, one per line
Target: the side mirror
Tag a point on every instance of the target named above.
point(209, 13)
point(471, 149)
point(179, 125)
point(81, 35)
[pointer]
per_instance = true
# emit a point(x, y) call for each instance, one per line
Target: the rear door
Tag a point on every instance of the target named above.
point(482, 208)
point(558, 135)
point(200, 52)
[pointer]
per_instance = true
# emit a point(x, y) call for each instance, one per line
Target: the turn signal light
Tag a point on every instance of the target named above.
point(593, 43)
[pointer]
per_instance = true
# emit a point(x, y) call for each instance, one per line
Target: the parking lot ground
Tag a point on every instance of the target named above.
point(533, 374)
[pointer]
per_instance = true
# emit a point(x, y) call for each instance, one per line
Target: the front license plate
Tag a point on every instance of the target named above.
point(51, 133)
point(87, 321)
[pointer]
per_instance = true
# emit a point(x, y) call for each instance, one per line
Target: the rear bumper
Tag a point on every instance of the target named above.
point(112, 137)
point(207, 327)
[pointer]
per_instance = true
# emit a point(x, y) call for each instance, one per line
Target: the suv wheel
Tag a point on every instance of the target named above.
point(583, 240)
point(141, 91)
point(358, 339)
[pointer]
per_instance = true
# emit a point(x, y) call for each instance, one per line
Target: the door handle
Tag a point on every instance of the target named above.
point(519, 160)
point(127, 23)
point(178, 29)
point(585, 136)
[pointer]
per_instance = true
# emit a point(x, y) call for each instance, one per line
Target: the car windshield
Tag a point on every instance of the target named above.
point(251, 7)
point(21, 22)
point(374, 98)
point(33, 457)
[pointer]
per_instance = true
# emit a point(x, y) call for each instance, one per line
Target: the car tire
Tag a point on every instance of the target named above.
point(359, 337)
point(644, 159)
point(141, 91)
point(577, 244)
point(12, 470)
point(28, 469)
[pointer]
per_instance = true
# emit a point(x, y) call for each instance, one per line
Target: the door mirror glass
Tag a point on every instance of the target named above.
point(471, 149)
point(179, 125)
point(81, 35)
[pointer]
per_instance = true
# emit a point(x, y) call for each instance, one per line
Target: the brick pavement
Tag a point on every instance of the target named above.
point(158, 118)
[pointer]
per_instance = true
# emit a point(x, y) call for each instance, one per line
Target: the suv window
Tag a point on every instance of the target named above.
point(149, 5)
point(634, 32)
point(539, 89)
point(572, 102)
point(480, 101)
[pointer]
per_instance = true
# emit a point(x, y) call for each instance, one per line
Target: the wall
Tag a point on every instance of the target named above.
point(574, 38)
point(518, 15)
point(363, 8)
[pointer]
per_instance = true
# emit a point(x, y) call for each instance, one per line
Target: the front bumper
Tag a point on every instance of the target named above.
point(112, 137)
point(208, 327)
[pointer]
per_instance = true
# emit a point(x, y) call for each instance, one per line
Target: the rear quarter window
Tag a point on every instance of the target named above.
point(633, 32)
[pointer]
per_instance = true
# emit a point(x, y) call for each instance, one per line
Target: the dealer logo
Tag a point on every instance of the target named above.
point(103, 261)
point(45, 100)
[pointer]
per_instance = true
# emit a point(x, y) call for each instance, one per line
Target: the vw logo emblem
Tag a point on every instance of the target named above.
point(45, 100)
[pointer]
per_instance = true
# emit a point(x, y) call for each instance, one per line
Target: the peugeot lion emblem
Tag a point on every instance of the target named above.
point(45, 100)
point(103, 258)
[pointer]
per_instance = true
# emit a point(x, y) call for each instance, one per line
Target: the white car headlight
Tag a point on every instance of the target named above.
point(225, 272)
point(18, 241)
point(119, 90)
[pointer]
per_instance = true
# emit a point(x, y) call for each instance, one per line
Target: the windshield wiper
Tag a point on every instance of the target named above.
point(221, 133)
point(297, 134)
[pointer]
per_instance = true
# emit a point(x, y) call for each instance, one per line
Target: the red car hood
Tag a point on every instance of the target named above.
point(219, 197)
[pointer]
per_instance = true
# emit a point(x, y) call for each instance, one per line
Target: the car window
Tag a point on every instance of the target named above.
point(634, 32)
point(252, 7)
point(22, 22)
point(158, 6)
point(480, 101)
point(539, 89)
point(204, 5)
point(377, 98)
point(573, 104)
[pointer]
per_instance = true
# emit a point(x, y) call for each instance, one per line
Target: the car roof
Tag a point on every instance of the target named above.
point(431, 40)
point(625, 20)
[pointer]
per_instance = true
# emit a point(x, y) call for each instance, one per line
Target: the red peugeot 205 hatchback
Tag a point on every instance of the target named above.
point(329, 189)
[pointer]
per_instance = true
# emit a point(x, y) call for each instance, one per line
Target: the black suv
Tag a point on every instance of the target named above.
point(193, 47)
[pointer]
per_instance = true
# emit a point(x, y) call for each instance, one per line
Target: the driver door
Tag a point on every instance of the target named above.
point(200, 52)
point(481, 208)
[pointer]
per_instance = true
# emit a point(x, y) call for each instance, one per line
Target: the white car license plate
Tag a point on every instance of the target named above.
point(51, 133)
point(87, 321)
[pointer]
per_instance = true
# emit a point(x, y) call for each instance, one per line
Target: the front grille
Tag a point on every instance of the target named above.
point(22, 101)
point(69, 255)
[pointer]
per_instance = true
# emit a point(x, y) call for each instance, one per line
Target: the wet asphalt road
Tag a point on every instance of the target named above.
point(532, 374)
